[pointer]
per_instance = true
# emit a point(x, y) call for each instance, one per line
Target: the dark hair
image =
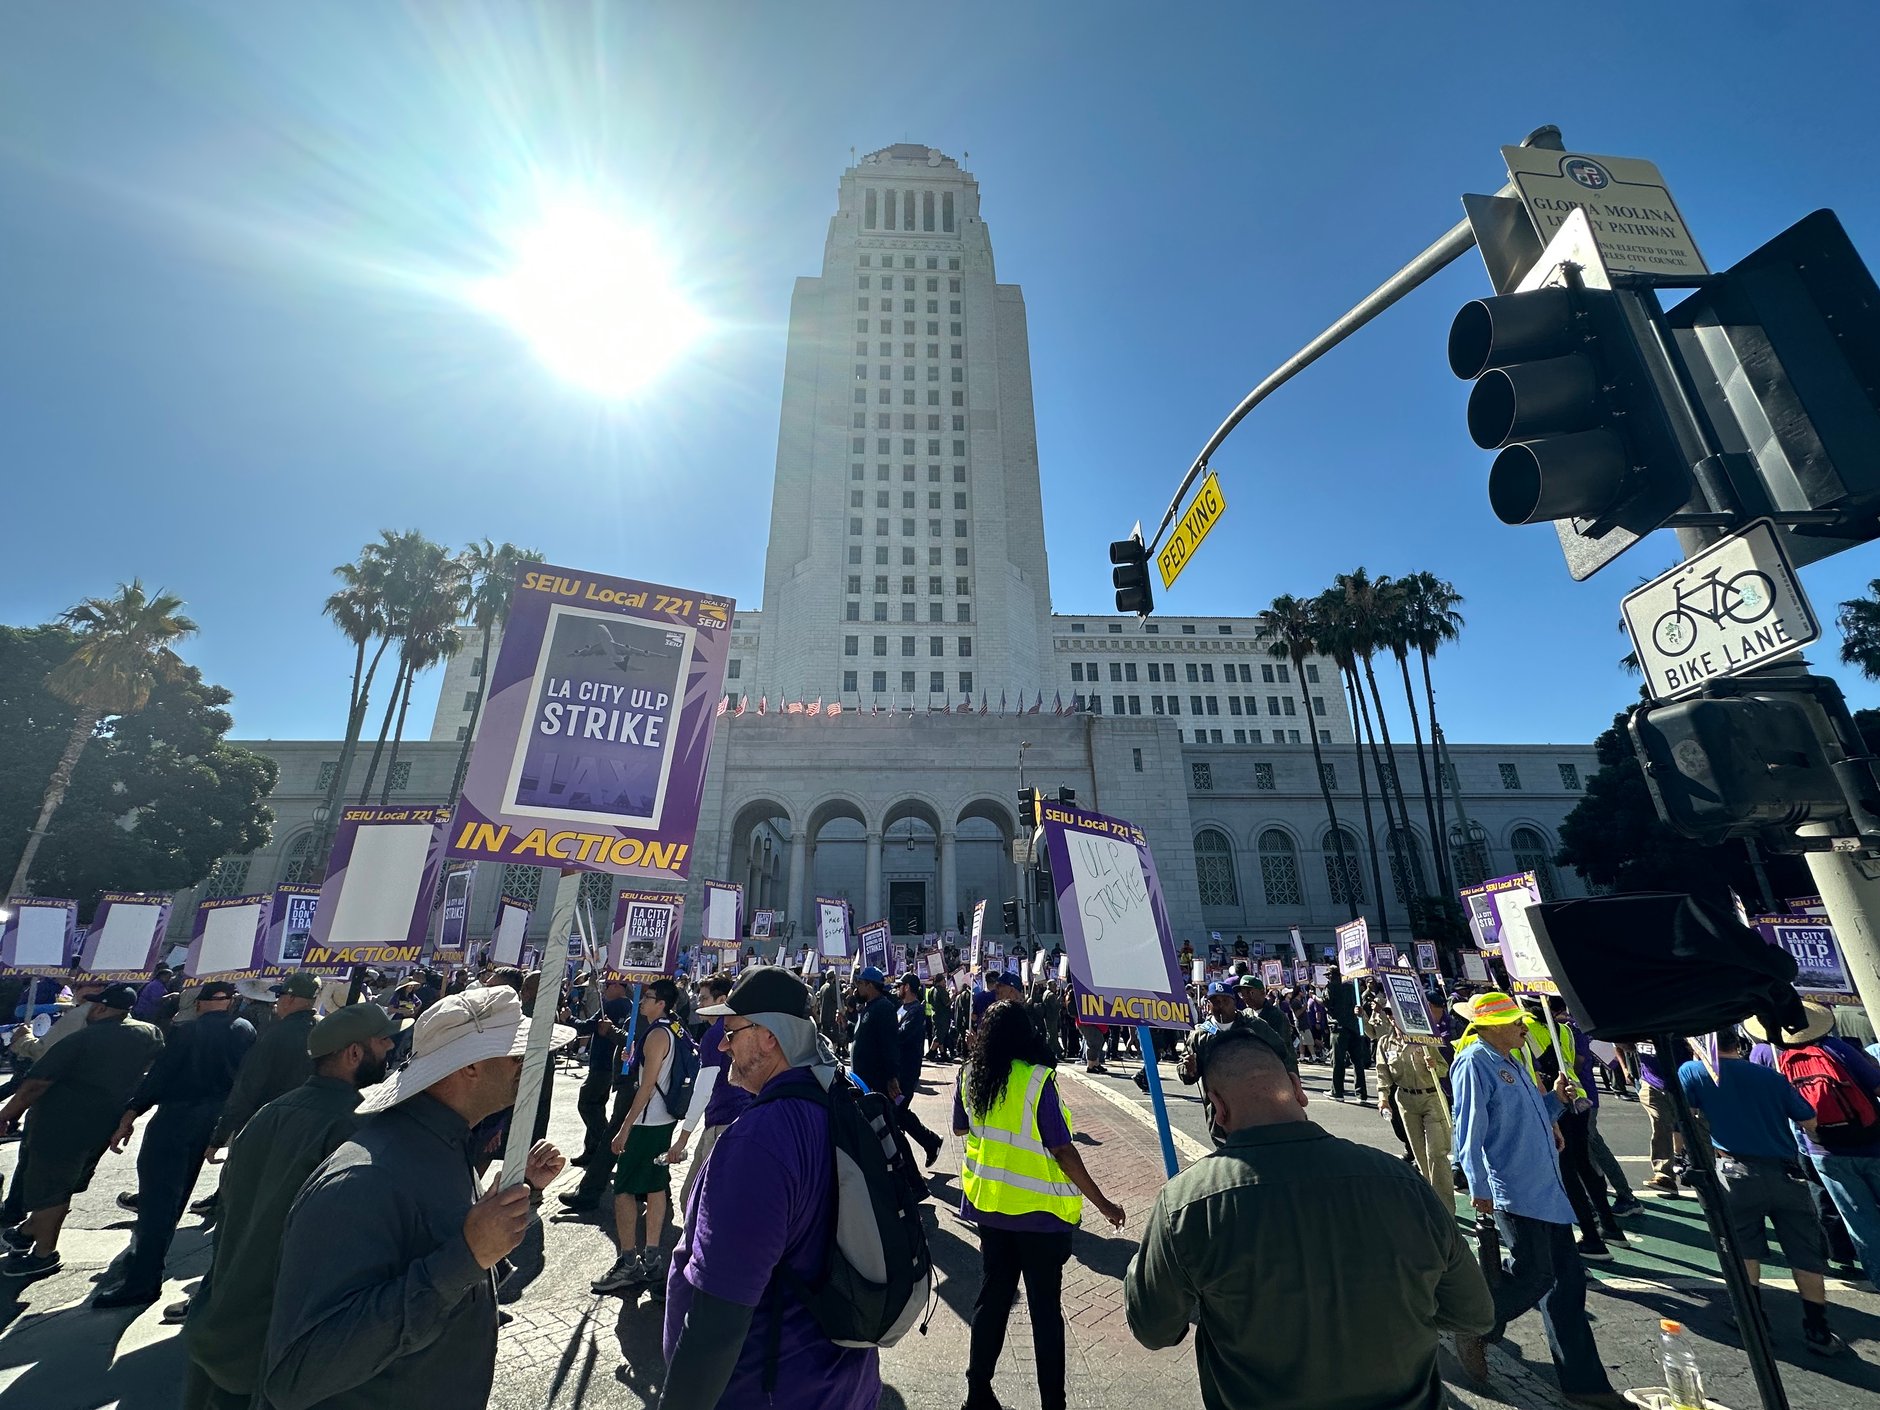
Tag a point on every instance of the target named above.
point(716, 985)
point(665, 991)
point(1004, 1036)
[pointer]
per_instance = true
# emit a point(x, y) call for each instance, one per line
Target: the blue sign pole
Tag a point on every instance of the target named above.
point(1145, 1037)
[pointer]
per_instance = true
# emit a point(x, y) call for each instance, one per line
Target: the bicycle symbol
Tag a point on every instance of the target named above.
point(1746, 597)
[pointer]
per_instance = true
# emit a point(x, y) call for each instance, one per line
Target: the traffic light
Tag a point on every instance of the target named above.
point(1010, 911)
point(1134, 592)
point(1722, 768)
point(1030, 805)
point(1565, 394)
point(1068, 797)
point(1784, 352)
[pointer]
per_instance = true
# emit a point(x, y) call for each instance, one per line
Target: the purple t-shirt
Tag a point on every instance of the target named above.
point(1054, 1131)
point(762, 1200)
point(726, 1100)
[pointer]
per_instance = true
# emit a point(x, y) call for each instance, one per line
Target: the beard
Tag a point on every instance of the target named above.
point(371, 1071)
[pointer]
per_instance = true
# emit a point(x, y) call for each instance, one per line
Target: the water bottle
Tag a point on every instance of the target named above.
point(1682, 1378)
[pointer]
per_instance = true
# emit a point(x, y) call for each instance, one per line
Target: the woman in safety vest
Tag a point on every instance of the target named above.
point(1024, 1186)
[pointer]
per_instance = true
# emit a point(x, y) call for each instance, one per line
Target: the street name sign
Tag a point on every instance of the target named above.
point(1733, 606)
point(1203, 514)
point(1636, 222)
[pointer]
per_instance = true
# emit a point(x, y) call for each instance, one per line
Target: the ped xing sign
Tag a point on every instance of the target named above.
point(1734, 606)
point(1203, 514)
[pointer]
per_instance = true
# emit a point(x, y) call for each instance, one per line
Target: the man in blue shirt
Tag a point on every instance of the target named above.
point(1509, 1148)
point(1750, 1108)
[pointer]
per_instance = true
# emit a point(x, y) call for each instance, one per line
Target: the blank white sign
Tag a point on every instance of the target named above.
point(511, 926)
point(228, 940)
point(1122, 946)
point(127, 937)
point(41, 937)
point(380, 890)
point(721, 914)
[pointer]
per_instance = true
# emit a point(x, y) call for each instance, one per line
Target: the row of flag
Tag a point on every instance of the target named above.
point(965, 707)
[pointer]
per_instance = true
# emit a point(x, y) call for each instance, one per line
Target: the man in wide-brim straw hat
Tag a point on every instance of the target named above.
point(1509, 1148)
point(385, 1294)
point(1842, 1084)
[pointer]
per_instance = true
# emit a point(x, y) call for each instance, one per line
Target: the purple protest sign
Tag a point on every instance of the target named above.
point(645, 943)
point(453, 924)
point(1116, 929)
point(1426, 957)
point(512, 926)
point(230, 938)
point(874, 940)
point(375, 904)
point(723, 921)
point(126, 930)
point(38, 935)
point(290, 923)
point(1821, 970)
point(591, 749)
point(1354, 948)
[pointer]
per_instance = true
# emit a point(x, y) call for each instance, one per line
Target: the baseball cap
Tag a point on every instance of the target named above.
point(1246, 1028)
point(1006, 976)
point(769, 988)
point(1247, 981)
point(911, 979)
point(459, 1029)
point(299, 986)
point(217, 989)
point(355, 1023)
point(1219, 987)
point(116, 996)
point(869, 974)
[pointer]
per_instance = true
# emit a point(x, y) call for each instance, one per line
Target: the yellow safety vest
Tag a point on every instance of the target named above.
point(1007, 1168)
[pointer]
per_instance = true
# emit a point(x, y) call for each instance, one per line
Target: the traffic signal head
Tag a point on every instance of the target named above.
point(1068, 797)
point(1565, 394)
point(1028, 807)
point(1134, 592)
point(1010, 913)
point(1731, 767)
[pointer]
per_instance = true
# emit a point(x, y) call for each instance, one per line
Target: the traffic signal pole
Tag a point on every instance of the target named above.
point(1849, 886)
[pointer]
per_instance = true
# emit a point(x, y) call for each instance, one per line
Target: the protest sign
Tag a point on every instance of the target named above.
point(453, 926)
point(1821, 970)
point(760, 924)
point(512, 926)
point(723, 921)
point(1116, 928)
point(1354, 948)
point(832, 927)
point(126, 931)
point(1498, 917)
point(1475, 967)
point(591, 749)
point(290, 923)
point(1384, 957)
point(375, 904)
point(1426, 957)
point(39, 935)
point(979, 927)
point(230, 938)
point(1321, 975)
point(874, 945)
point(645, 942)
point(1408, 1006)
point(1273, 974)
point(1301, 975)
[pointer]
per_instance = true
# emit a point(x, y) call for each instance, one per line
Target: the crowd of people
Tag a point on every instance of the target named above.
point(359, 1245)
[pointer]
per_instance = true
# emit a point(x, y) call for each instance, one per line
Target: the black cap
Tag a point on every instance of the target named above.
point(217, 989)
point(1245, 1028)
point(764, 988)
point(116, 996)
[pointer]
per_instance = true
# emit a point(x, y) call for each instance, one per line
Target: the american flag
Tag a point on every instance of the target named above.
point(1037, 704)
point(1001, 702)
point(982, 702)
point(795, 707)
point(835, 707)
point(724, 703)
point(815, 709)
point(743, 700)
point(763, 702)
point(1057, 703)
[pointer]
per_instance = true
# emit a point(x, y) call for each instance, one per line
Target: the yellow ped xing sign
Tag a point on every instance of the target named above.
point(1203, 514)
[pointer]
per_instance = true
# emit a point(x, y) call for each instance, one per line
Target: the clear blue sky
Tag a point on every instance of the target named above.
point(232, 238)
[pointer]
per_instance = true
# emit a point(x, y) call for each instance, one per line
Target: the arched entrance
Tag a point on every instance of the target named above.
point(761, 858)
point(908, 869)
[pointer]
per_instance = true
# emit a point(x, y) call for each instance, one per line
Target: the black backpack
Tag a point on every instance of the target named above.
point(877, 1273)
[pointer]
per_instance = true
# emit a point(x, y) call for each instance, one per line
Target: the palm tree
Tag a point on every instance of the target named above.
point(490, 573)
point(358, 610)
point(430, 608)
point(1433, 622)
point(1859, 621)
point(1400, 633)
point(1368, 602)
point(1291, 632)
point(1333, 639)
point(123, 654)
point(409, 568)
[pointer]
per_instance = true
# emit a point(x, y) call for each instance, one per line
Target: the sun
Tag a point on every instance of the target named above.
point(595, 299)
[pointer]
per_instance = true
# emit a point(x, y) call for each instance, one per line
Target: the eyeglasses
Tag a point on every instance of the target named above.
point(731, 1032)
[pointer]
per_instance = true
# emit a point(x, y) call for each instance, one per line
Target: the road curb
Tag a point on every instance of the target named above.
point(1191, 1149)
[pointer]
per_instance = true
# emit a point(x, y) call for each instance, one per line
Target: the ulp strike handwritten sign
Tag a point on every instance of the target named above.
point(1116, 930)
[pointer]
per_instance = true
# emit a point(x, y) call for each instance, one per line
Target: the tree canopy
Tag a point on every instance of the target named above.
point(156, 798)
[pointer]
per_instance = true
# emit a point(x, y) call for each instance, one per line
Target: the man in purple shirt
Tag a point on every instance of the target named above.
point(152, 994)
point(734, 1334)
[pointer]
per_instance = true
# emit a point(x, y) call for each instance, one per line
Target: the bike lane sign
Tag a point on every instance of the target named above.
point(1734, 606)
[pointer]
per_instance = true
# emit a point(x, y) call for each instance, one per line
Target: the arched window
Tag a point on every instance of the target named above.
point(1531, 853)
point(298, 866)
point(1347, 882)
point(1279, 869)
point(1214, 868)
point(1407, 874)
point(523, 884)
point(946, 210)
point(868, 210)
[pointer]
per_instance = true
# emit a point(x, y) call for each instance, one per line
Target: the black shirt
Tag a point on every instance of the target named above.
point(198, 1063)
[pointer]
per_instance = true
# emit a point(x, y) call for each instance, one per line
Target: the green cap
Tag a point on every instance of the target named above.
point(300, 986)
point(356, 1023)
